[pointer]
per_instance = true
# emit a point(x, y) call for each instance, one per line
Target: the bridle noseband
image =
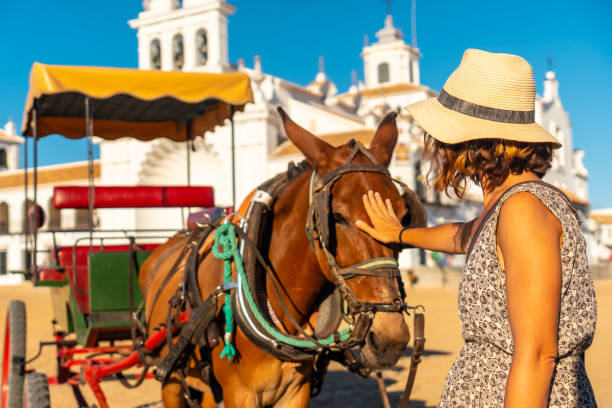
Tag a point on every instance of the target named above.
point(318, 231)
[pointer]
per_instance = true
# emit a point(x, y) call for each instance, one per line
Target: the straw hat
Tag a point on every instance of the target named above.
point(490, 96)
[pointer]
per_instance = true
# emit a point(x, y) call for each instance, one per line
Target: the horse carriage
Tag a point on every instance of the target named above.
point(241, 310)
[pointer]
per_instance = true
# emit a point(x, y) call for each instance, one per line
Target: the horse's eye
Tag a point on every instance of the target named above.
point(339, 218)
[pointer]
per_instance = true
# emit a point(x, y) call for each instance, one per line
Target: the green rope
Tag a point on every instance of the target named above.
point(225, 238)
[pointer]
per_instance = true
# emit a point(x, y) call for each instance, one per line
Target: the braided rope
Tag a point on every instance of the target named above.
point(225, 238)
point(225, 247)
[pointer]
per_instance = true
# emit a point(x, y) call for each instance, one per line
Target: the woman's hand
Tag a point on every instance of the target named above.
point(386, 227)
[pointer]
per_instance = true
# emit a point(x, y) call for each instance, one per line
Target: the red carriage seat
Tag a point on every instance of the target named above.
point(134, 196)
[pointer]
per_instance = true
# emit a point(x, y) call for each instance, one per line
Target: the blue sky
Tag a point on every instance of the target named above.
point(291, 35)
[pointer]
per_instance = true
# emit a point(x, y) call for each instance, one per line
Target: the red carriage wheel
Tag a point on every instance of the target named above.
point(13, 356)
point(37, 391)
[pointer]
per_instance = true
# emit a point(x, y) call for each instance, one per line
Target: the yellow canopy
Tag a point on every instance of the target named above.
point(131, 102)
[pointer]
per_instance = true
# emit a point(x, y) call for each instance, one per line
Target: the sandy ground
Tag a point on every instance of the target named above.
point(341, 387)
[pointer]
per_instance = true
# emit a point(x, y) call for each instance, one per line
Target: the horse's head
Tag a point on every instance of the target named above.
point(342, 176)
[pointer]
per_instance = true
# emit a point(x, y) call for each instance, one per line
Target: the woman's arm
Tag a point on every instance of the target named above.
point(386, 227)
point(528, 236)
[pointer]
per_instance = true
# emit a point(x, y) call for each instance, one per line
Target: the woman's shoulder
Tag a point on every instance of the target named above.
point(537, 198)
point(526, 211)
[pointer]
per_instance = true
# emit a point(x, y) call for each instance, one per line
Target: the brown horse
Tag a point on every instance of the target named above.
point(257, 379)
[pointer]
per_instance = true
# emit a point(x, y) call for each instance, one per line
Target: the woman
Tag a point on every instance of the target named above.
point(526, 299)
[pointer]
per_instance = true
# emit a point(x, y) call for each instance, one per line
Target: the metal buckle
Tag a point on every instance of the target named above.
point(181, 291)
point(225, 287)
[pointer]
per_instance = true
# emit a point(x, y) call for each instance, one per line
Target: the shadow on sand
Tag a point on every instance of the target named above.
point(343, 389)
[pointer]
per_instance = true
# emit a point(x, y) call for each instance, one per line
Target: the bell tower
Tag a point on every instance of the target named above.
point(390, 60)
point(183, 35)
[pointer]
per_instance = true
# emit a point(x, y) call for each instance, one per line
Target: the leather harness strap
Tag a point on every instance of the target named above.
point(417, 351)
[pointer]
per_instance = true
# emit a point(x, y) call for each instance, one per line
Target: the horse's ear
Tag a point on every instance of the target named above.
point(385, 139)
point(314, 149)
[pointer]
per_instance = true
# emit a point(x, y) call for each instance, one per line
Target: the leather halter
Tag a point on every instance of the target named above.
point(318, 231)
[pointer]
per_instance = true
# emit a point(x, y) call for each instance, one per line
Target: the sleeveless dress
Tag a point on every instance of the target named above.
point(478, 375)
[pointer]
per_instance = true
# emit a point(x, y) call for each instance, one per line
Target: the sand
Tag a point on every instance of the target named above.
point(341, 387)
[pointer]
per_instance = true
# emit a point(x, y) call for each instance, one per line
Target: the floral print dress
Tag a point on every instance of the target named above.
point(479, 374)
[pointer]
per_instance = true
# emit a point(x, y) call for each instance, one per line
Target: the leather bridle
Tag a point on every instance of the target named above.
point(318, 230)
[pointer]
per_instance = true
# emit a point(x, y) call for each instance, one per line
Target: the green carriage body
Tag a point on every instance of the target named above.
point(108, 298)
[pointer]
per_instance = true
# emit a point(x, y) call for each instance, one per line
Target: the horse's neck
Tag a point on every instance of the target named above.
point(291, 255)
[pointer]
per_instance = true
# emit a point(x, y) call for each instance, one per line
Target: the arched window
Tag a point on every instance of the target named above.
point(177, 4)
point(201, 47)
point(3, 162)
point(411, 72)
point(4, 217)
point(383, 73)
point(155, 54)
point(55, 220)
point(177, 52)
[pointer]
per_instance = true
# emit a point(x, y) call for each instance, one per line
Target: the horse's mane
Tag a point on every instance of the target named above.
point(296, 170)
point(277, 184)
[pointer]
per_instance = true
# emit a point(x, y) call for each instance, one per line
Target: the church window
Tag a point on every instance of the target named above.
point(4, 217)
point(411, 72)
point(177, 52)
point(3, 269)
point(155, 54)
point(202, 47)
point(3, 162)
point(28, 258)
point(383, 73)
point(54, 216)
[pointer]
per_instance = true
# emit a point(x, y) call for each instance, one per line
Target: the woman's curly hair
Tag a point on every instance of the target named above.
point(487, 162)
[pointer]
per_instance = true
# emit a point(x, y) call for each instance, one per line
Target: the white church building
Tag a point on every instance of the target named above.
point(192, 35)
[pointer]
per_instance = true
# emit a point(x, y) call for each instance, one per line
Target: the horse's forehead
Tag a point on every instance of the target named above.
point(353, 185)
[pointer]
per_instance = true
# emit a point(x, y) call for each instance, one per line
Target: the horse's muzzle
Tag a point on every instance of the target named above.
point(386, 341)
